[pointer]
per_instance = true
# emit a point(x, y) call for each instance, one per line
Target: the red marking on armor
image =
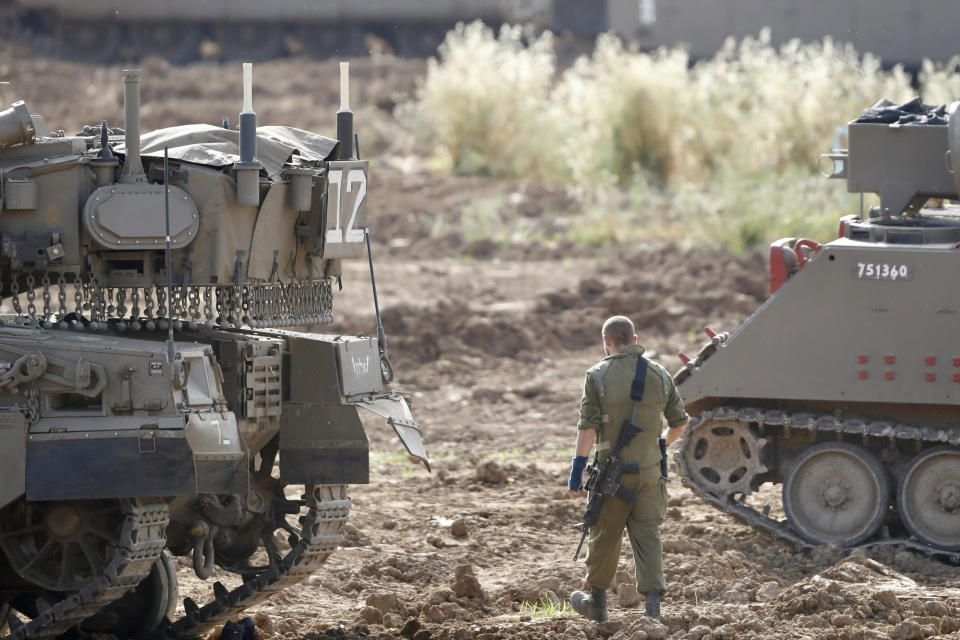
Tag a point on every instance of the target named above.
point(684, 357)
point(778, 266)
point(956, 377)
point(888, 358)
point(931, 360)
point(862, 358)
point(862, 374)
point(888, 375)
point(710, 332)
point(930, 376)
point(956, 361)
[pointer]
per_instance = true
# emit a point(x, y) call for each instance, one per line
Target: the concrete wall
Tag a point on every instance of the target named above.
point(899, 31)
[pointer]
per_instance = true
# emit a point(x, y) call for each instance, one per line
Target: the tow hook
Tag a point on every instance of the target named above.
point(202, 549)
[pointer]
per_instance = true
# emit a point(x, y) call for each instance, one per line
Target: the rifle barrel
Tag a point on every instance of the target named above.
point(580, 546)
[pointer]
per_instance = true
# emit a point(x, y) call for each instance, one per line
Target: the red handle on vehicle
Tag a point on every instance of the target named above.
point(813, 245)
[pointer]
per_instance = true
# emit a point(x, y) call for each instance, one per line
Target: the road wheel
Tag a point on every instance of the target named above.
point(836, 492)
point(61, 546)
point(142, 609)
point(928, 497)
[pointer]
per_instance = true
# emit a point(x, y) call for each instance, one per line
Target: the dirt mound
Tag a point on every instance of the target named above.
point(661, 289)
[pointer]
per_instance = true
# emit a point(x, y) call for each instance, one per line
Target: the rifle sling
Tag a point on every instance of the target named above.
point(629, 497)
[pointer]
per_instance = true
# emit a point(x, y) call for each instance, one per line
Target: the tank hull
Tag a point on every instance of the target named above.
point(850, 365)
point(149, 405)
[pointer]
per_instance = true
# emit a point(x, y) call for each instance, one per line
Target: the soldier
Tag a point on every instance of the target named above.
point(606, 403)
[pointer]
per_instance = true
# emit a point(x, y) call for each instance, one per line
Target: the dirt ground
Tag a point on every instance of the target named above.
point(493, 350)
point(492, 341)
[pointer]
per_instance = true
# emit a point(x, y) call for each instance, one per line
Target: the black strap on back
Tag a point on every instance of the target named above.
point(636, 389)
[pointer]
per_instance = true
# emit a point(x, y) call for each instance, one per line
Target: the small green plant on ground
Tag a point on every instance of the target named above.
point(545, 608)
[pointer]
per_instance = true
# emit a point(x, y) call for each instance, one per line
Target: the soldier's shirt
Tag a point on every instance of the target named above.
point(606, 403)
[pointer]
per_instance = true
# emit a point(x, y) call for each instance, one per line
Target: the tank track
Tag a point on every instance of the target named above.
point(321, 533)
point(143, 537)
point(780, 529)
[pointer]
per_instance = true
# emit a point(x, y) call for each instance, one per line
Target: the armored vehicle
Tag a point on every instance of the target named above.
point(844, 386)
point(154, 400)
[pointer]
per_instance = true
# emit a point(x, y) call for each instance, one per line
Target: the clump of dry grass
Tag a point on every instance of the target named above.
point(484, 107)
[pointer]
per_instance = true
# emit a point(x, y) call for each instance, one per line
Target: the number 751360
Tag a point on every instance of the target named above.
point(882, 271)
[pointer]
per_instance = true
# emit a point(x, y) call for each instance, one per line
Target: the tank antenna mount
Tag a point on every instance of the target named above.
point(247, 171)
point(132, 166)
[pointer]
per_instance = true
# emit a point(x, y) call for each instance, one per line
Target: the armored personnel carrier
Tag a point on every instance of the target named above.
point(844, 386)
point(153, 399)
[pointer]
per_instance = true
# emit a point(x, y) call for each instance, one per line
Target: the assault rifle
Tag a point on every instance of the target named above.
point(604, 481)
point(663, 456)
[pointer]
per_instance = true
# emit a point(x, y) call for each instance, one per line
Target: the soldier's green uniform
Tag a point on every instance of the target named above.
point(606, 403)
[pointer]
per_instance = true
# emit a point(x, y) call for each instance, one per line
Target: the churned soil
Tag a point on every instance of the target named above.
point(494, 353)
point(492, 340)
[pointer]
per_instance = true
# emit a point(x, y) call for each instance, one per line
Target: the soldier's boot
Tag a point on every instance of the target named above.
point(653, 605)
point(593, 606)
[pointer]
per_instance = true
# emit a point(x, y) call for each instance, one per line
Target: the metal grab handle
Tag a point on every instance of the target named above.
point(839, 170)
point(813, 245)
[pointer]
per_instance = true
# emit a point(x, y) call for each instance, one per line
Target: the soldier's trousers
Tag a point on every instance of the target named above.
point(642, 521)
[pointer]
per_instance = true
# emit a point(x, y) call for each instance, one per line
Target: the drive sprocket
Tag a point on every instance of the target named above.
point(722, 455)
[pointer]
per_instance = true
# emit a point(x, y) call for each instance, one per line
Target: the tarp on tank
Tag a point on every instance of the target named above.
point(218, 147)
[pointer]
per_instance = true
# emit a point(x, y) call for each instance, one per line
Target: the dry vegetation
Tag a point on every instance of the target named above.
point(723, 150)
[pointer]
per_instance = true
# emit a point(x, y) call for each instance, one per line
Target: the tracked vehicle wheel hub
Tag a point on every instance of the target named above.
point(948, 495)
point(64, 522)
point(835, 495)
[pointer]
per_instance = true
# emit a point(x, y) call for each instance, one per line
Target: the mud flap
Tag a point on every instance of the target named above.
point(394, 408)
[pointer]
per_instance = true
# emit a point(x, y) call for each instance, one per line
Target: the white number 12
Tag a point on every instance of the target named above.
point(354, 177)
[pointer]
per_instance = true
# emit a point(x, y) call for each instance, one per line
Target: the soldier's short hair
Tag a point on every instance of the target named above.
point(620, 330)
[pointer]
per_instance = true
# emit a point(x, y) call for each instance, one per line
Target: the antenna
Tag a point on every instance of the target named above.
point(171, 348)
point(381, 336)
point(345, 116)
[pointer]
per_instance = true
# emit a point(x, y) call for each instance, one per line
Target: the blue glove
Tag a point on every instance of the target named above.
point(576, 473)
